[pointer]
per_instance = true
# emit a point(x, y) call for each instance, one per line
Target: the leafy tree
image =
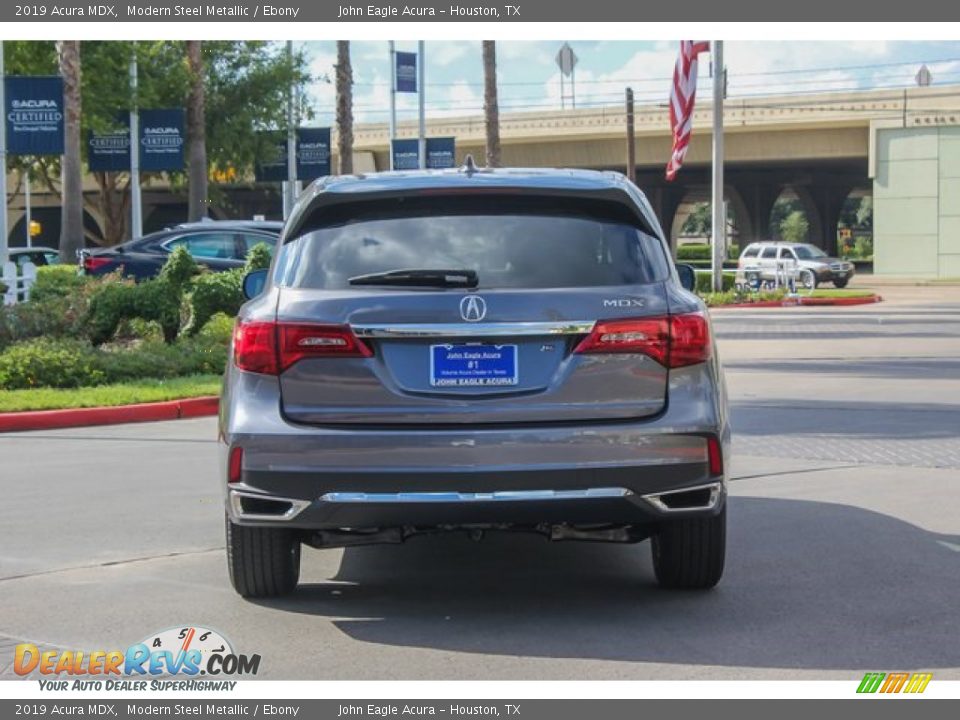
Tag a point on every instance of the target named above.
point(245, 89)
point(782, 208)
point(699, 221)
point(795, 227)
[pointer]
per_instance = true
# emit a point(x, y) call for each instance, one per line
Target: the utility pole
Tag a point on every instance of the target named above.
point(136, 201)
point(26, 205)
point(631, 140)
point(719, 243)
point(393, 98)
point(290, 187)
point(4, 252)
point(422, 96)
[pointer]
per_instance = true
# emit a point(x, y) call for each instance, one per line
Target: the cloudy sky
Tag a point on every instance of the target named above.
point(530, 80)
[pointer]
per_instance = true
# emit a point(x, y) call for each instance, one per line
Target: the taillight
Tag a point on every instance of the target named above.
point(674, 341)
point(714, 455)
point(235, 464)
point(689, 340)
point(94, 262)
point(270, 348)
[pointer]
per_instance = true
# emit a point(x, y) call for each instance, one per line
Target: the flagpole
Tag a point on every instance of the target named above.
point(4, 252)
point(393, 99)
point(136, 200)
point(422, 142)
point(719, 243)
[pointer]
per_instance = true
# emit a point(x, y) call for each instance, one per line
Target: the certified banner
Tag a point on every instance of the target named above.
point(406, 70)
point(313, 154)
point(33, 111)
point(110, 151)
point(161, 140)
point(441, 153)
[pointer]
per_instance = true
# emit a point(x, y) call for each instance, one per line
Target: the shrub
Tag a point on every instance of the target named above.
point(158, 299)
point(863, 248)
point(702, 251)
point(57, 281)
point(222, 292)
point(45, 362)
point(693, 251)
point(704, 282)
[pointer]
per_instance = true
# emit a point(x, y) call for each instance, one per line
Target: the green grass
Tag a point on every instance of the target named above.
point(838, 293)
point(141, 391)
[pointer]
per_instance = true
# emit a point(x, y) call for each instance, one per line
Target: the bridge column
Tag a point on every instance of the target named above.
point(830, 200)
point(759, 199)
point(665, 199)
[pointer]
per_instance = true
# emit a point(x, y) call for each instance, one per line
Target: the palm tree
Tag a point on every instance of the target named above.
point(491, 108)
point(196, 133)
point(71, 207)
point(344, 107)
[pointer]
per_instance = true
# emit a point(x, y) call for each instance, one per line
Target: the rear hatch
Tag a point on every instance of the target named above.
point(470, 310)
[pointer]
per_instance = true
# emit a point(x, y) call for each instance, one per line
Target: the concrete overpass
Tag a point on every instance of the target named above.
point(820, 146)
point(897, 144)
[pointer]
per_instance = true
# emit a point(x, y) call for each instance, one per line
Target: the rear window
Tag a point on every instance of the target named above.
point(751, 251)
point(509, 242)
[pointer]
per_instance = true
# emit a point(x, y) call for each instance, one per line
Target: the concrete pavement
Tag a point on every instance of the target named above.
point(844, 547)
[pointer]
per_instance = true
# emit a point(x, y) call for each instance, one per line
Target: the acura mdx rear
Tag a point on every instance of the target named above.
point(472, 350)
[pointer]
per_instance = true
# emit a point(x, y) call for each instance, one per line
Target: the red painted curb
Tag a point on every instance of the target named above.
point(803, 301)
point(83, 417)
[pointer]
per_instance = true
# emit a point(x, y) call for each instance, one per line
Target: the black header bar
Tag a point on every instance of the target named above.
point(470, 11)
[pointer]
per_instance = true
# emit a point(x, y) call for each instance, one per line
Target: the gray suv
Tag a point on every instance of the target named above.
point(473, 350)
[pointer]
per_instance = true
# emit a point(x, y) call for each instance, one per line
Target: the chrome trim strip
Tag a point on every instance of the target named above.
point(470, 497)
point(494, 329)
point(715, 488)
point(296, 507)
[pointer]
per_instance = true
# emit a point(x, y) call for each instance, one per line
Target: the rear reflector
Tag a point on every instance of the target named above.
point(714, 455)
point(673, 341)
point(235, 464)
point(270, 347)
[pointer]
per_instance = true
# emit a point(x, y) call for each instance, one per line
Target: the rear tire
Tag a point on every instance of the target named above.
point(263, 562)
point(689, 554)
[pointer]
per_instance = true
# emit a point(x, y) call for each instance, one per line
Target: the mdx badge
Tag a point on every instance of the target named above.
point(473, 308)
point(623, 302)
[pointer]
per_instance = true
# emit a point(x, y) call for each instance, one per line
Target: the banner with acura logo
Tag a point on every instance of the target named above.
point(33, 111)
point(109, 150)
point(161, 140)
point(441, 153)
point(313, 155)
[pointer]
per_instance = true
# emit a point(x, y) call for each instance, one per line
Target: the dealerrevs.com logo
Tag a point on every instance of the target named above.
point(185, 653)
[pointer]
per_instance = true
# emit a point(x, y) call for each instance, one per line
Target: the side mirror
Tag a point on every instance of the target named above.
point(253, 283)
point(688, 277)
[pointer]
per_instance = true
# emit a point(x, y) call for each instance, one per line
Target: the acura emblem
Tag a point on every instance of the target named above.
point(473, 308)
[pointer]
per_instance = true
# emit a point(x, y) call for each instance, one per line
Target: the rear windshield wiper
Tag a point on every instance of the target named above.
point(422, 278)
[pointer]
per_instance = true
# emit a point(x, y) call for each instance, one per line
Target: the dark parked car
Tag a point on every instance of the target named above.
point(218, 244)
point(478, 351)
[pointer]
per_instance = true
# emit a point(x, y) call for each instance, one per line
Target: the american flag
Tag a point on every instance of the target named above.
point(682, 96)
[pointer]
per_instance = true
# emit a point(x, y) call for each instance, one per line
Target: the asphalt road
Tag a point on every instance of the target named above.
point(844, 547)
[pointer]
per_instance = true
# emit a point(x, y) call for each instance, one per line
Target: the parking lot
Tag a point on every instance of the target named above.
point(843, 555)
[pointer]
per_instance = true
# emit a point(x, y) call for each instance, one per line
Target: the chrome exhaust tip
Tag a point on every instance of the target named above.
point(698, 497)
point(252, 506)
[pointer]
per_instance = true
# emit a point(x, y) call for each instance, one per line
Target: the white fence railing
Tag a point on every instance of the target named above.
point(18, 281)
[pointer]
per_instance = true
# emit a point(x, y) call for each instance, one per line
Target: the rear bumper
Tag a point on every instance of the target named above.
point(318, 478)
